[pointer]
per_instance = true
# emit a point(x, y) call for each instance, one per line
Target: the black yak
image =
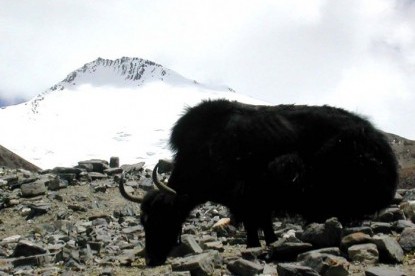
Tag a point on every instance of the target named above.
point(316, 161)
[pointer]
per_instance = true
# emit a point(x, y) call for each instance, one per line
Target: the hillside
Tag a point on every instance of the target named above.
point(13, 161)
point(405, 153)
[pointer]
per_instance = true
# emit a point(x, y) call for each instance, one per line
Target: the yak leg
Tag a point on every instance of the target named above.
point(253, 223)
point(251, 229)
point(269, 234)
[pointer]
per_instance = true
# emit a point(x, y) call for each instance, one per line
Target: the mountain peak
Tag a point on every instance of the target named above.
point(125, 72)
point(122, 72)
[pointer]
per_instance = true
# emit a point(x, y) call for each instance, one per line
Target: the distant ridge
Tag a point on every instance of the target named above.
point(125, 72)
point(11, 160)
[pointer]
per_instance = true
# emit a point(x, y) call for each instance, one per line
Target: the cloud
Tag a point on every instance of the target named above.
point(358, 54)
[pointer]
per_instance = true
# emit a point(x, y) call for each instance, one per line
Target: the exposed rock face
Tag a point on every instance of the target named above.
point(405, 153)
point(12, 160)
point(79, 222)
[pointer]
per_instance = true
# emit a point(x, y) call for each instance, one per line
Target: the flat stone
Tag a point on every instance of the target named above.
point(323, 235)
point(133, 168)
point(113, 171)
point(389, 249)
point(33, 189)
point(383, 271)
point(288, 251)
point(252, 253)
point(97, 165)
point(132, 229)
point(200, 264)
point(97, 175)
point(27, 248)
point(11, 239)
point(36, 260)
point(288, 269)
point(354, 238)
point(335, 251)
point(364, 253)
point(363, 229)
point(245, 267)
point(326, 264)
point(390, 214)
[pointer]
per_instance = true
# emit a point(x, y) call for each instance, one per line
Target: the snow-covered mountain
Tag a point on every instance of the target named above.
point(120, 73)
point(124, 107)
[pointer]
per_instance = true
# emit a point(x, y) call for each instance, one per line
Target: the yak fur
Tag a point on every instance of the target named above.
point(316, 161)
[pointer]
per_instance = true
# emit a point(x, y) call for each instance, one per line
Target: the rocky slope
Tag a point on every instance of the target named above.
point(405, 153)
point(11, 160)
point(73, 221)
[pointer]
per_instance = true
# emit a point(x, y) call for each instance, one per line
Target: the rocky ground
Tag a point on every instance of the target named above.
point(73, 221)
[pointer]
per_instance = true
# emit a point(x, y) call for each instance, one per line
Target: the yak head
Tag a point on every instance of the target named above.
point(160, 216)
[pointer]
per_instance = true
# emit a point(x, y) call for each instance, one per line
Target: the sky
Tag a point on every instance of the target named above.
point(356, 54)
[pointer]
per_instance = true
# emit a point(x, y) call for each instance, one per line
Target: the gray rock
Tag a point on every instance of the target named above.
point(288, 269)
point(33, 189)
point(390, 214)
point(11, 179)
point(188, 246)
point(38, 209)
point(85, 166)
point(354, 238)
point(97, 175)
point(381, 227)
point(288, 251)
point(408, 208)
point(409, 195)
point(51, 181)
point(400, 225)
point(214, 245)
point(134, 168)
point(200, 264)
point(113, 171)
point(146, 184)
point(270, 270)
point(407, 239)
point(252, 253)
point(245, 268)
point(383, 271)
point(115, 162)
point(363, 229)
point(97, 165)
point(35, 260)
point(335, 251)
point(66, 170)
point(323, 235)
point(397, 198)
point(326, 264)
point(364, 253)
point(77, 208)
point(132, 229)
point(389, 249)
point(26, 248)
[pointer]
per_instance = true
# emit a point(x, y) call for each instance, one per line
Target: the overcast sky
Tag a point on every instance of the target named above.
point(356, 54)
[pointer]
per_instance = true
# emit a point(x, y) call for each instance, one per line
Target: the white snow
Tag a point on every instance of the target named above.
point(85, 121)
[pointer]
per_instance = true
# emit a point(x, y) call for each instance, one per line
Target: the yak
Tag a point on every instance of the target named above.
point(315, 161)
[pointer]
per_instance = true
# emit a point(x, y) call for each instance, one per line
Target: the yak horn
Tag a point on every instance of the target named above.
point(124, 193)
point(162, 187)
